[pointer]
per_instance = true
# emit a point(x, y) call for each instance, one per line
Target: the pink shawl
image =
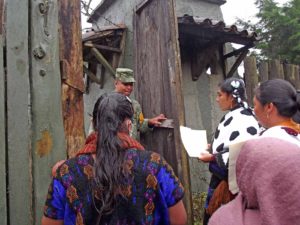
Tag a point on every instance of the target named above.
point(268, 175)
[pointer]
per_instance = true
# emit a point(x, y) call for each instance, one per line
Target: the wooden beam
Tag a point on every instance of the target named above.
point(103, 61)
point(102, 47)
point(238, 51)
point(141, 5)
point(122, 47)
point(237, 63)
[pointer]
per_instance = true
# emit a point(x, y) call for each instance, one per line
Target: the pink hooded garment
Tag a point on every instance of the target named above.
point(268, 175)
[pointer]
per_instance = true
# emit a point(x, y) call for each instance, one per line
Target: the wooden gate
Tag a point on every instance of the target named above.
point(158, 76)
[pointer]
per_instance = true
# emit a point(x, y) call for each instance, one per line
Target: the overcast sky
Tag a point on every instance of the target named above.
point(243, 9)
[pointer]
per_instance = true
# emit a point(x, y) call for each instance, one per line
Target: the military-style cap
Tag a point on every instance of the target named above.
point(125, 75)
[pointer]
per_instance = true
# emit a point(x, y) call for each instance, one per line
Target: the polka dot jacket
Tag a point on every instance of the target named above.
point(237, 125)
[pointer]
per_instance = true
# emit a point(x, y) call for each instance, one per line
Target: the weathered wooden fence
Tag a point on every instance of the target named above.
point(35, 65)
point(268, 70)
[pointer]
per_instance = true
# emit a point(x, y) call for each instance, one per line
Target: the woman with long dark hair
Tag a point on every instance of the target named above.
point(118, 183)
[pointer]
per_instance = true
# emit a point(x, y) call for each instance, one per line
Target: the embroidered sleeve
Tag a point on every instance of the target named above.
point(170, 186)
point(56, 200)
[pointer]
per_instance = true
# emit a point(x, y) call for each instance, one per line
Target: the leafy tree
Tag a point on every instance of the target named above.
point(279, 30)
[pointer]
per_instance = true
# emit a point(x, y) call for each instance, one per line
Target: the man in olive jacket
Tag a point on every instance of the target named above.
point(124, 82)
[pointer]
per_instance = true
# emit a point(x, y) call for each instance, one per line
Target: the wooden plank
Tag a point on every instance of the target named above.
point(237, 63)
point(275, 69)
point(70, 50)
point(3, 202)
point(102, 47)
point(103, 61)
point(251, 77)
point(158, 82)
point(18, 114)
point(48, 140)
point(263, 69)
point(290, 73)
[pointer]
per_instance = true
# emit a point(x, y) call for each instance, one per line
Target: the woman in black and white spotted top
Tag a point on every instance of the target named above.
point(238, 124)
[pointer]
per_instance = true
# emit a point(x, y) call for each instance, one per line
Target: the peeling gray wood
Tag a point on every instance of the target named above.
point(48, 145)
point(3, 209)
point(18, 114)
point(158, 66)
point(3, 206)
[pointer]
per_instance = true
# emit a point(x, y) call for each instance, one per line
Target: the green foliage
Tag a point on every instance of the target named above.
point(279, 30)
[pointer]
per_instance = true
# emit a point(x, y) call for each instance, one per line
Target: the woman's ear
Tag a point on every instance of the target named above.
point(270, 107)
point(129, 125)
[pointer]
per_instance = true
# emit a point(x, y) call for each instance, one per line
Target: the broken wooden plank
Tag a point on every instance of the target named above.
point(103, 61)
point(102, 47)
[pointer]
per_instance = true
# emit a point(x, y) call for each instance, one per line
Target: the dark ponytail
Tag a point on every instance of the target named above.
point(281, 93)
point(109, 174)
point(296, 116)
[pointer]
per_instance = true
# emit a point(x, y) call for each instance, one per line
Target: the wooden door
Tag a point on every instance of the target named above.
point(158, 81)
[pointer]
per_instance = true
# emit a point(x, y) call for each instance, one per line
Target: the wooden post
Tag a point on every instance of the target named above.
point(251, 77)
point(263, 71)
point(72, 72)
point(275, 69)
point(290, 73)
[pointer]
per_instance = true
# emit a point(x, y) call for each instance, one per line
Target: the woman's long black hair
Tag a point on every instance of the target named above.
point(109, 173)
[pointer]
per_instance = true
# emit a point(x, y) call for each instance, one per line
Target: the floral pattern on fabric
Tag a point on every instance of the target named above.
point(151, 188)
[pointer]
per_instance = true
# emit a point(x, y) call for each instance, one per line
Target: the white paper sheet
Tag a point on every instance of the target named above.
point(194, 141)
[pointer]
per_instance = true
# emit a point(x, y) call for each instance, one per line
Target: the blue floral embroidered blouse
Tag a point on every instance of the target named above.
point(152, 190)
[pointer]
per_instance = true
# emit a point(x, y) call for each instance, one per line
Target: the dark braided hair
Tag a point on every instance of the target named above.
point(236, 88)
point(109, 173)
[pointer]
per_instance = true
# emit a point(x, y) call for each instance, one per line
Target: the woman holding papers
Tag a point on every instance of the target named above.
point(268, 178)
point(275, 103)
point(238, 124)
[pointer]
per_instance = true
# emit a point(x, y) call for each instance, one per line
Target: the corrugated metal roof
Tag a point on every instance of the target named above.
point(207, 30)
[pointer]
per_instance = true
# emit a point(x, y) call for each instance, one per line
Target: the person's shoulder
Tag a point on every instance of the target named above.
point(73, 164)
point(145, 157)
point(134, 102)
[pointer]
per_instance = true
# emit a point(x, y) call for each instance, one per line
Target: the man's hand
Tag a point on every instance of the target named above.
point(156, 121)
point(206, 157)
